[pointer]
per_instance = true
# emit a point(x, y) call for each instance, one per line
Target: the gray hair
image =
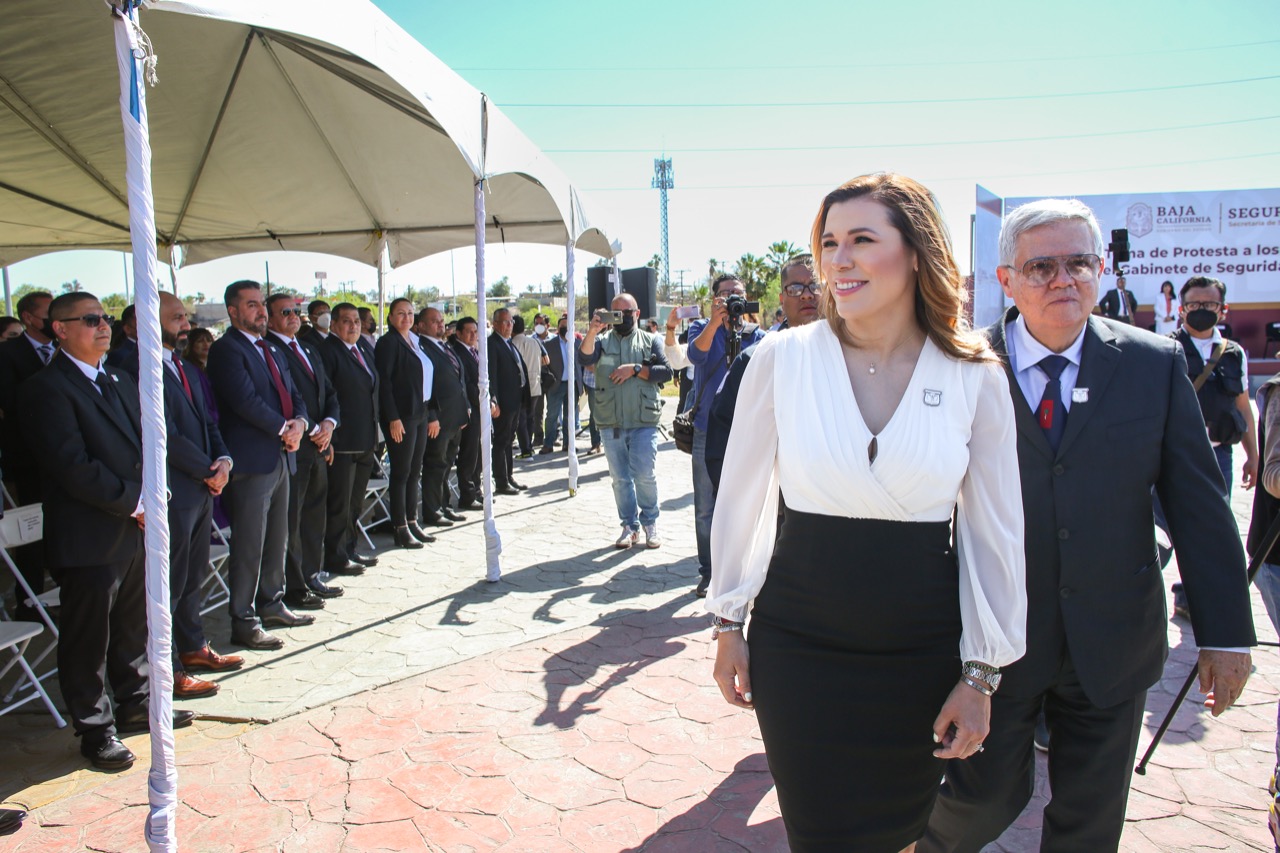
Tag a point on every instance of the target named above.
point(1046, 211)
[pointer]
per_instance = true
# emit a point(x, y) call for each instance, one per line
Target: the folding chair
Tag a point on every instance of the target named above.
point(217, 592)
point(16, 636)
point(22, 526)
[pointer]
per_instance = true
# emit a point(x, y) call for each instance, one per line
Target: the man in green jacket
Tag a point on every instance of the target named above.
point(630, 367)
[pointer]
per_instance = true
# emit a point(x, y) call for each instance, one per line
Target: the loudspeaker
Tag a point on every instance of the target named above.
point(642, 283)
point(599, 292)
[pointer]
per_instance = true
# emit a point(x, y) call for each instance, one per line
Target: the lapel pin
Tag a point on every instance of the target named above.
point(1079, 395)
point(932, 397)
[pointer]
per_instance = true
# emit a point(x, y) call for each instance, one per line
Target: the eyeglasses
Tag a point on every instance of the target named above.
point(91, 320)
point(1202, 306)
point(1040, 271)
point(285, 312)
point(800, 288)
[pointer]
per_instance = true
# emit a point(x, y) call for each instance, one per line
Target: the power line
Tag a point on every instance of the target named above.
point(938, 179)
point(903, 101)
point(995, 141)
point(1077, 58)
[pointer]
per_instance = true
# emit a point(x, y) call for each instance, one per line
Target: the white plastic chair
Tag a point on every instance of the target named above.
point(217, 592)
point(22, 526)
point(16, 636)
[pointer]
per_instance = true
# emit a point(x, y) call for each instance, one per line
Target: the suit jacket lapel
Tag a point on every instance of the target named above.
point(132, 431)
point(1098, 359)
point(1025, 418)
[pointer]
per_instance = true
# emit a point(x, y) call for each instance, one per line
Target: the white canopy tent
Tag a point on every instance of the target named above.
point(311, 125)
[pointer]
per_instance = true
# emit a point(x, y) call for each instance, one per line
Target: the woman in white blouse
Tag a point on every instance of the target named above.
point(875, 624)
point(1166, 309)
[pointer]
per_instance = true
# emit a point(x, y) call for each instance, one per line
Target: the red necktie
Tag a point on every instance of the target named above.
point(294, 346)
point(356, 352)
point(182, 374)
point(286, 402)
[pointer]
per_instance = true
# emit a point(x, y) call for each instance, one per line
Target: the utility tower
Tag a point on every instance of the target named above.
point(663, 180)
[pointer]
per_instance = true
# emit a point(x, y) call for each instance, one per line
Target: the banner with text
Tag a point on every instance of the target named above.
point(1232, 235)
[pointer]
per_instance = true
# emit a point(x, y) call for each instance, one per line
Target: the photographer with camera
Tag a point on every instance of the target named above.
point(713, 345)
point(629, 367)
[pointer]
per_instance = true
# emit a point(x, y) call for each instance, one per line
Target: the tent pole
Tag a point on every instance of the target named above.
point(8, 297)
point(133, 56)
point(570, 428)
point(492, 541)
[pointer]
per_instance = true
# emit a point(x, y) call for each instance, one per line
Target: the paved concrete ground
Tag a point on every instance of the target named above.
point(569, 707)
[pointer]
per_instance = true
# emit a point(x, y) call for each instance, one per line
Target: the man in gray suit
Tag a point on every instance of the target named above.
point(1105, 412)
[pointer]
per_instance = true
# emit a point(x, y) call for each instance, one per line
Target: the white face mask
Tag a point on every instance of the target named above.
point(539, 330)
point(322, 322)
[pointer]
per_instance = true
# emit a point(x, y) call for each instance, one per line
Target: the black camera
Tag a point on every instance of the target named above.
point(738, 305)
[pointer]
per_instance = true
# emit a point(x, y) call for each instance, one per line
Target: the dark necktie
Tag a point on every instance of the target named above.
point(453, 359)
point(286, 402)
point(46, 352)
point(356, 352)
point(182, 376)
point(1052, 414)
point(112, 398)
point(298, 352)
point(475, 353)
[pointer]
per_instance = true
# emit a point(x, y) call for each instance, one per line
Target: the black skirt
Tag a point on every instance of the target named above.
point(854, 643)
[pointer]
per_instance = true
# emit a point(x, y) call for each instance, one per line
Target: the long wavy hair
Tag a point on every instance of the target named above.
point(940, 294)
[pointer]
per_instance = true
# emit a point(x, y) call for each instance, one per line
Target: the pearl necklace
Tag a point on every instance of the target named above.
point(872, 369)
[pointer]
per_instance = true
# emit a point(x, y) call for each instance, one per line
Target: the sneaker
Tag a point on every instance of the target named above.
point(1180, 605)
point(628, 538)
point(651, 537)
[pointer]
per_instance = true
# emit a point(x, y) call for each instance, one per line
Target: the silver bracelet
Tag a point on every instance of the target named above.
point(988, 675)
point(978, 686)
point(720, 625)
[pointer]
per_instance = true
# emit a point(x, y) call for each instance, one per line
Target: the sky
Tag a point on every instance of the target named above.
point(763, 108)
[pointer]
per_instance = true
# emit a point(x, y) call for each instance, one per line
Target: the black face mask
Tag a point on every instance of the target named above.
point(1202, 319)
point(627, 325)
point(564, 331)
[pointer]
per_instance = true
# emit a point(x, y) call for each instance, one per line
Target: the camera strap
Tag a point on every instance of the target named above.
point(1214, 357)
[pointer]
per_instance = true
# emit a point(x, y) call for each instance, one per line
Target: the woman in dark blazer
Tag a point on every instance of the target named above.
point(406, 375)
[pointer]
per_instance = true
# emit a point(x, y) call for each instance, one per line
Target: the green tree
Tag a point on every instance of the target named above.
point(753, 272)
point(500, 289)
point(779, 253)
point(114, 303)
point(73, 286)
point(558, 286)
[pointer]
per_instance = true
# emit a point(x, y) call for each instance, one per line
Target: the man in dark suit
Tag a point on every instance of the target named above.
point(355, 385)
point(320, 320)
point(199, 467)
point(309, 483)
point(84, 425)
point(263, 420)
point(124, 354)
point(447, 417)
point(508, 386)
point(470, 465)
point(558, 395)
point(1119, 303)
point(1104, 414)
point(20, 359)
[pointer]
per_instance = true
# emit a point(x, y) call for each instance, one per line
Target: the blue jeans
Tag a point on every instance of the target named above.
point(704, 502)
point(1268, 583)
point(557, 403)
point(591, 407)
point(631, 454)
point(1222, 453)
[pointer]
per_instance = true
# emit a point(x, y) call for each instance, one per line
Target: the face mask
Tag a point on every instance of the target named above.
point(627, 325)
point(564, 331)
point(323, 321)
point(1202, 319)
point(539, 330)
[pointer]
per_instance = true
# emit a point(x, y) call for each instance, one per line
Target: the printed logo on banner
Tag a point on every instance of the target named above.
point(1139, 220)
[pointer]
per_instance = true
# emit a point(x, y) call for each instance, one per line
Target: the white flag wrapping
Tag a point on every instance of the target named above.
point(135, 61)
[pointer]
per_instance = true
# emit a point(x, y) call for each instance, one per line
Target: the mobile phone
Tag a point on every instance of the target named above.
point(604, 315)
point(689, 312)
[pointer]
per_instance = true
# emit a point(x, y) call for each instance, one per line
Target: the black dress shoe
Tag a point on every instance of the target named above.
point(135, 721)
point(326, 590)
point(518, 487)
point(451, 515)
point(109, 754)
point(416, 532)
point(305, 600)
point(257, 639)
point(505, 490)
point(350, 568)
point(368, 560)
point(469, 503)
point(404, 539)
point(287, 619)
point(437, 521)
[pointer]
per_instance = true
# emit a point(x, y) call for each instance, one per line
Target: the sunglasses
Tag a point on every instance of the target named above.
point(91, 320)
point(287, 311)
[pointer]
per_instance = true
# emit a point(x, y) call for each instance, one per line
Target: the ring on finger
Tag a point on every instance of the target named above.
point(979, 748)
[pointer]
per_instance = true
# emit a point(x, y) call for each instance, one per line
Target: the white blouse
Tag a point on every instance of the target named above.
point(951, 441)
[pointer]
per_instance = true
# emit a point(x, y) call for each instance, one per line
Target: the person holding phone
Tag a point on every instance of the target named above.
point(875, 644)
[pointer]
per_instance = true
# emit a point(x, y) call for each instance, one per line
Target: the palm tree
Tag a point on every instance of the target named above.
point(754, 273)
point(779, 253)
point(701, 296)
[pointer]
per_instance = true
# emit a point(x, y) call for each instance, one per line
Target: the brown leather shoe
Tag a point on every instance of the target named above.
point(187, 686)
point(209, 661)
